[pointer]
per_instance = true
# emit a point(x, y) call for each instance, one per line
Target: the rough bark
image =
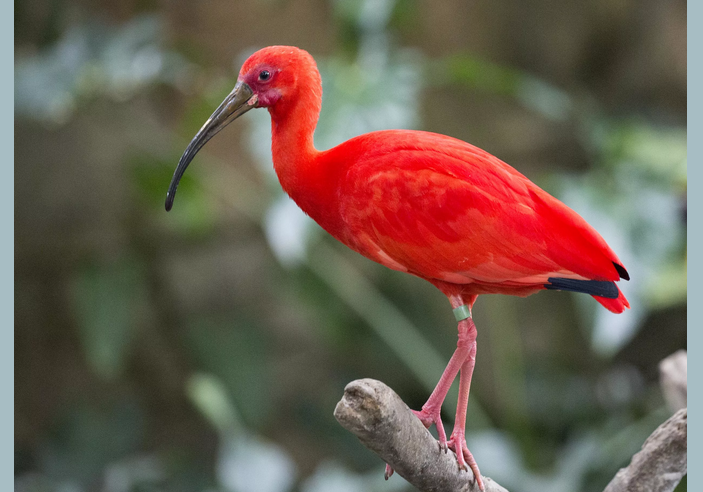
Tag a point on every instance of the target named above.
point(384, 424)
point(661, 463)
point(673, 372)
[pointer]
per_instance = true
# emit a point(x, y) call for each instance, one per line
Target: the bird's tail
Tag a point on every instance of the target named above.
point(617, 305)
point(603, 291)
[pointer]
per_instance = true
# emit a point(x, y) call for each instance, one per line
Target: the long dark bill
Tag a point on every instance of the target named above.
point(238, 102)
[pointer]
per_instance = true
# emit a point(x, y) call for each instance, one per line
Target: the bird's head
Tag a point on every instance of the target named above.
point(272, 78)
point(277, 74)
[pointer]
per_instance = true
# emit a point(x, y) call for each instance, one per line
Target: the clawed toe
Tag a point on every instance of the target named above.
point(428, 418)
point(464, 458)
point(456, 443)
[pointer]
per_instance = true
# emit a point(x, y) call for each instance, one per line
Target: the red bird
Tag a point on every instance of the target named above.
point(427, 204)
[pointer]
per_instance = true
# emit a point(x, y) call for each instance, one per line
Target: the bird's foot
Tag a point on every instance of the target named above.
point(429, 417)
point(457, 443)
point(389, 472)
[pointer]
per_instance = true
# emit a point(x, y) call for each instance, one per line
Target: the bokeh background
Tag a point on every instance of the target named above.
point(205, 349)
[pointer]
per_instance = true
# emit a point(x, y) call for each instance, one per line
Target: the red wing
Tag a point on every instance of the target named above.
point(466, 217)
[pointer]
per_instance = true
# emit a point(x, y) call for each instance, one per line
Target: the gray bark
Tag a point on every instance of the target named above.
point(661, 464)
point(673, 372)
point(384, 424)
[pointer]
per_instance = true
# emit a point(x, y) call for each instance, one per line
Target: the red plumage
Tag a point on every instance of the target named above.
point(423, 203)
point(444, 210)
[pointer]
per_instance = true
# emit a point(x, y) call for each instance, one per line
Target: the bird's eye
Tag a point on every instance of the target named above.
point(264, 75)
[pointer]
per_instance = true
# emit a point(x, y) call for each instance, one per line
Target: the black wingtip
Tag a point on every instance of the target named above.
point(621, 271)
point(601, 288)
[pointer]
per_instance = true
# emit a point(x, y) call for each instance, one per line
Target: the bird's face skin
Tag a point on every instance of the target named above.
point(278, 74)
point(268, 79)
point(264, 79)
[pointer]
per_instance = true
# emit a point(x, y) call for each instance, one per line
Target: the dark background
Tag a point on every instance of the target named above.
point(205, 349)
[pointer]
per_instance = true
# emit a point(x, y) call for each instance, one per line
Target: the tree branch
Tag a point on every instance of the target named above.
point(661, 463)
point(673, 372)
point(384, 424)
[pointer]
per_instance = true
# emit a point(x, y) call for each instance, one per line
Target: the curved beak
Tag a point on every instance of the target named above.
point(238, 102)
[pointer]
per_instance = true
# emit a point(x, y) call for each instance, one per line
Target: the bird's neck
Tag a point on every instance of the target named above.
point(292, 130)
point(293, 123)
point(305, 174)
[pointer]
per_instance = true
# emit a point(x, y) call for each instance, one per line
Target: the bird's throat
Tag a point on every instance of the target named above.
point(305, 173)
point(293, 121)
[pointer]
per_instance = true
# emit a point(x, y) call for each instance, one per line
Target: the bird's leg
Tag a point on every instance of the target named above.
point(431, 410)
point(457, 441)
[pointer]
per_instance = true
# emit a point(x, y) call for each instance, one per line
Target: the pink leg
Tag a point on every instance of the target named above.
point(431, 410)
point(457, 441)
point(430, 413)
point(464, 355)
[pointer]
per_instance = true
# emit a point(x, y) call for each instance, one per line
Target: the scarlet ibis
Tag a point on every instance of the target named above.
point(418, 202)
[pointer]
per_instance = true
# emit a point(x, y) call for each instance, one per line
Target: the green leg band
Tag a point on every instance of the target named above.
point(462, 312)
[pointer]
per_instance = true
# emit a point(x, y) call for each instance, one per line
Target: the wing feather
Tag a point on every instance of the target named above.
point(453, 212)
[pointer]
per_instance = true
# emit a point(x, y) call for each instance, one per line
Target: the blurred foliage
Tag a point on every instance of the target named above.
point(93, 60)
point(109, 302)
point(205, 349)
